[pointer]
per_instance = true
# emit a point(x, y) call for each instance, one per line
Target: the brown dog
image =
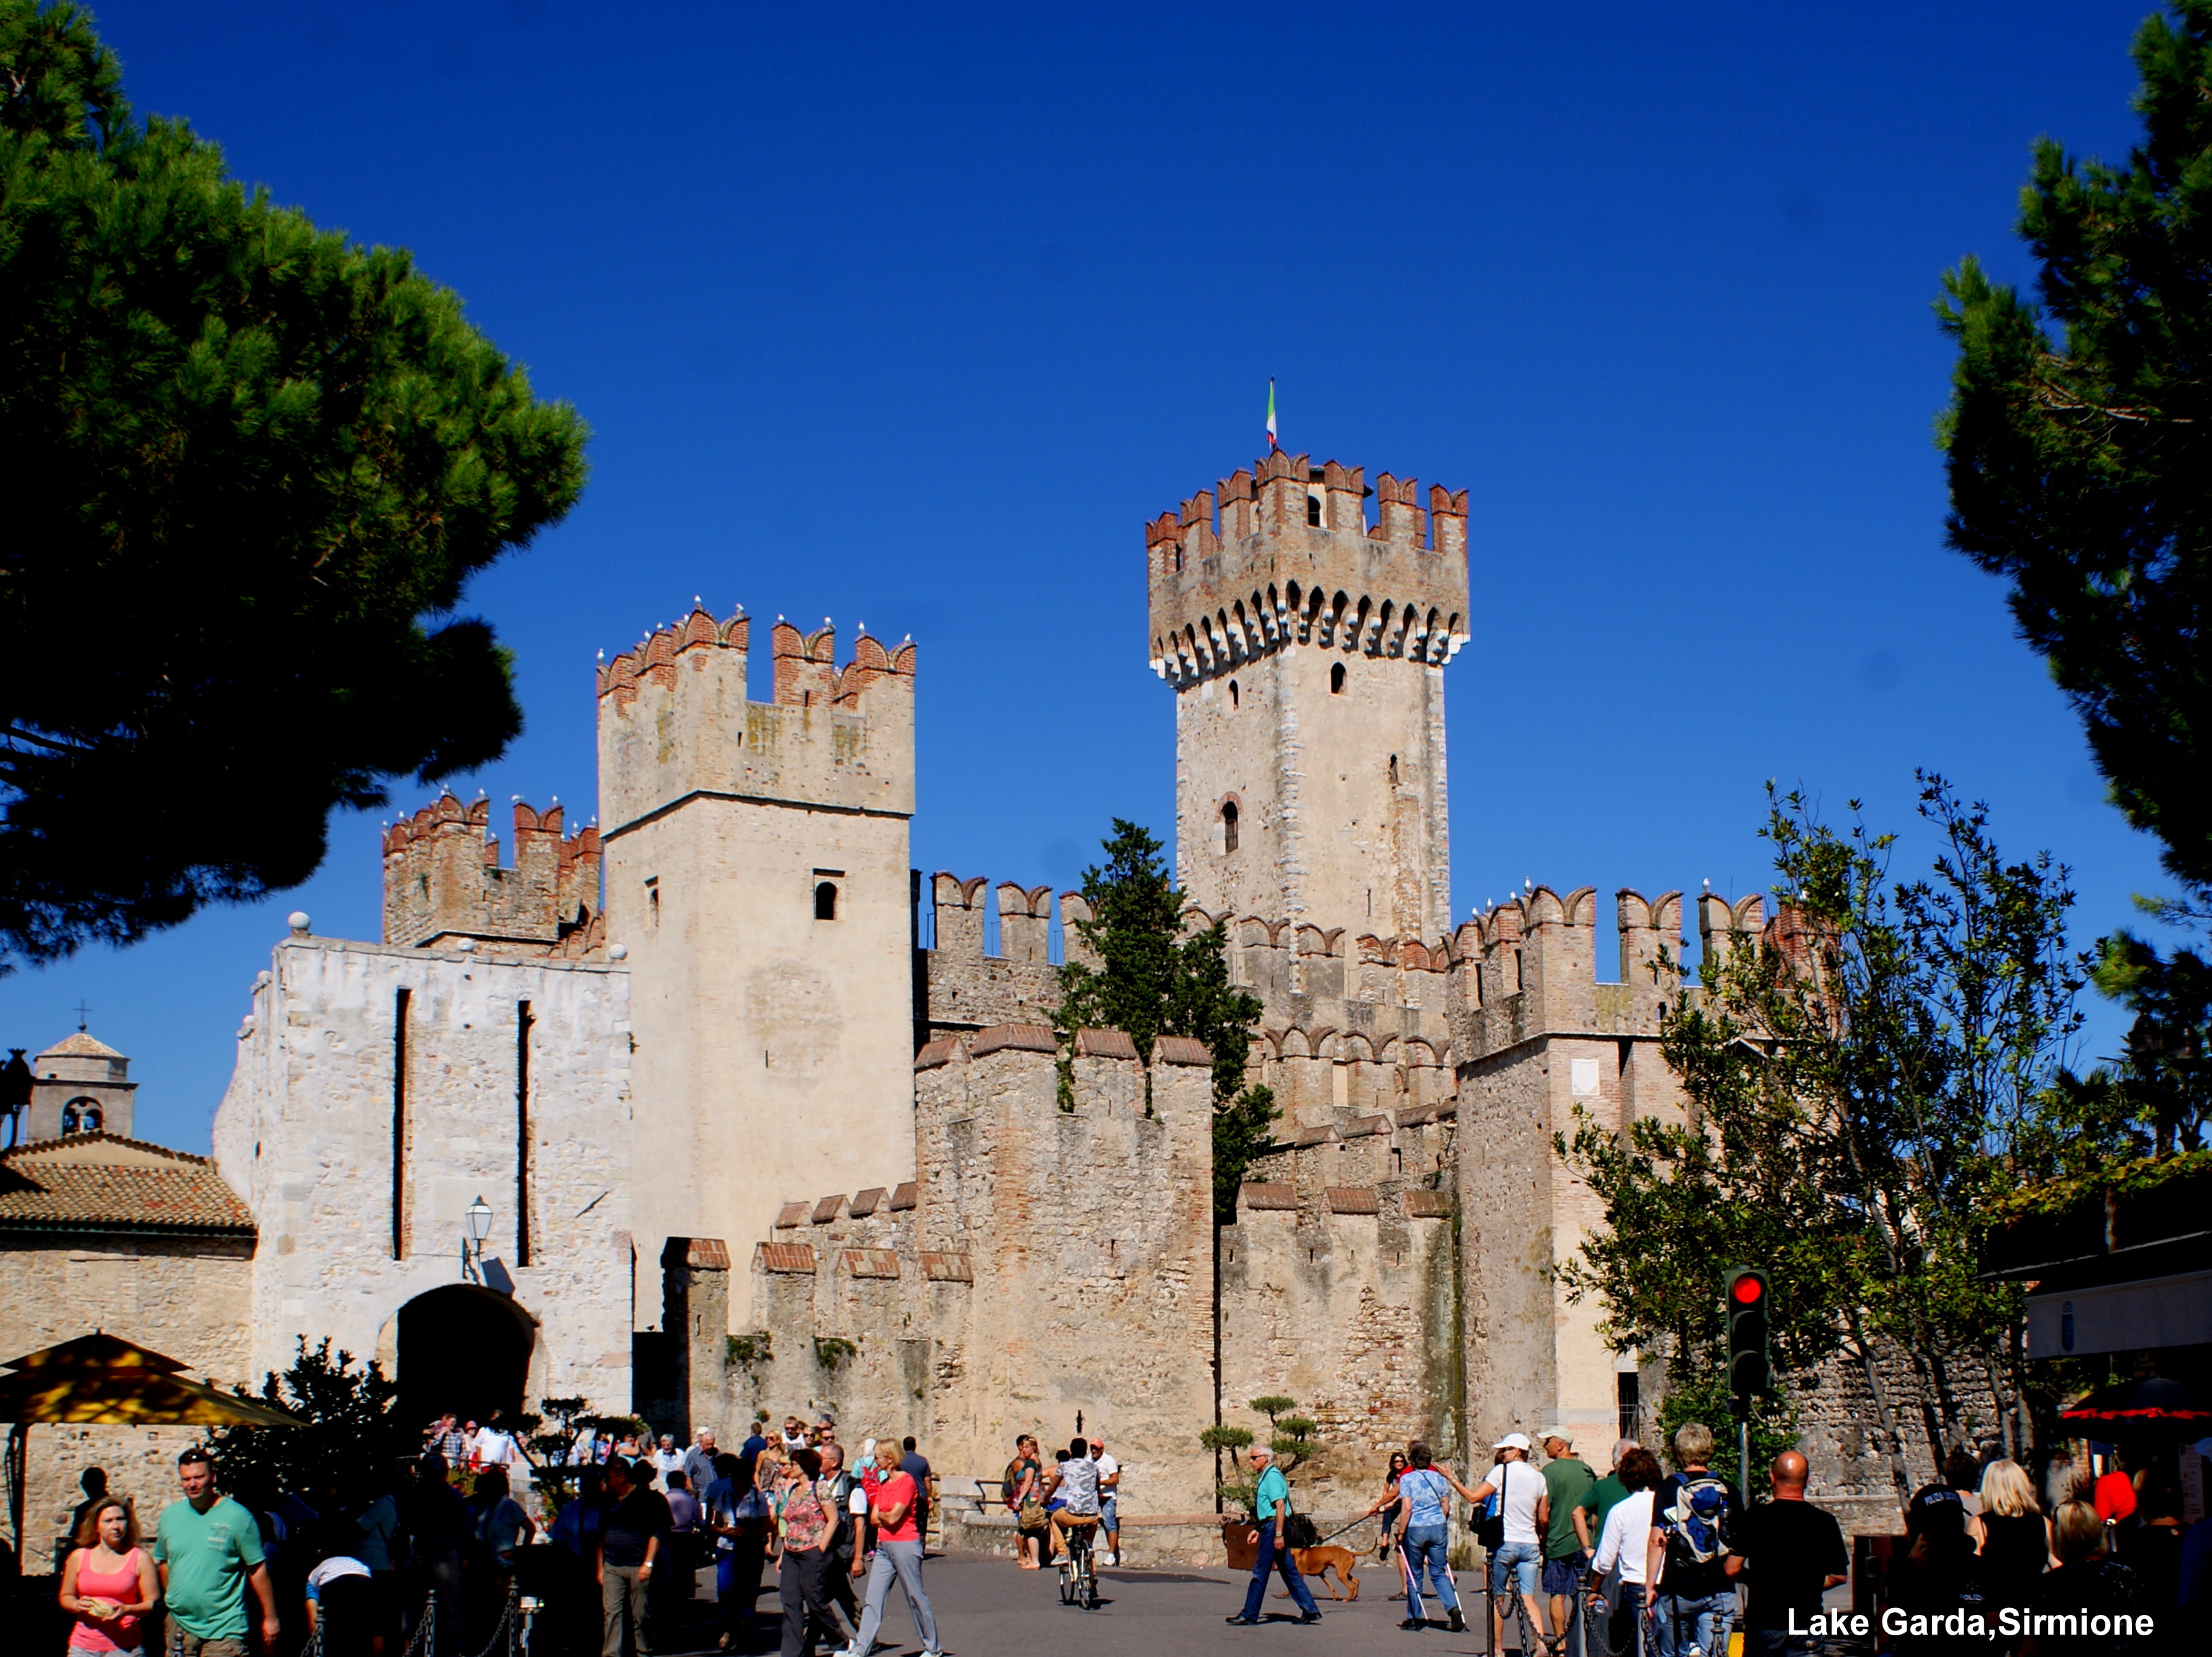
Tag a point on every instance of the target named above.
point(1317, 1562)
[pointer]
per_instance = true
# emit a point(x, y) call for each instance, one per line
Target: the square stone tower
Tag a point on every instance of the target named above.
point(756, 886)
point(1307, 648)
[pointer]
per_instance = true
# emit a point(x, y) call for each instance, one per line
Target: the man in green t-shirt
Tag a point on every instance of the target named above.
point(1601, 1499)
point(1567, 1479)
point(210, 1549)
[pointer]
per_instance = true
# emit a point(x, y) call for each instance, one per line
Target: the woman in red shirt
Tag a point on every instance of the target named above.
point(898, 1553)
point(107, 1583)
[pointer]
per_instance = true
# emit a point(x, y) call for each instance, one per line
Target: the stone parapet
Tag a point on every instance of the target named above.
point(444, 882)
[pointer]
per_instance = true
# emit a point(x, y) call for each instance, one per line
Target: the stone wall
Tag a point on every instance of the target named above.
point(185, 1297)
point(1042, 1263)
point(307, 1135)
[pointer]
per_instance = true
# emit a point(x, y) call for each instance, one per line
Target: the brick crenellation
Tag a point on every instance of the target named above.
point(443, 882)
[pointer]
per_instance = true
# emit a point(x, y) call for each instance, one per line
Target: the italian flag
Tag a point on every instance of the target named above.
point(1272, 444)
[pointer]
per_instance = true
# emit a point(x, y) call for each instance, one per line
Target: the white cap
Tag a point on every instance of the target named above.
point(1512, 1441)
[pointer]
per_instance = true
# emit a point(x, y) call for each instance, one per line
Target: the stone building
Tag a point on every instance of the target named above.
point(757, 1121)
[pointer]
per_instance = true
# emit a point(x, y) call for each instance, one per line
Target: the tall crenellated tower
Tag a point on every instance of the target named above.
point(1307, 647)
point(757, 882)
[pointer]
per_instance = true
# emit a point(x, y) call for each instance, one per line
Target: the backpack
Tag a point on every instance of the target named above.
point(1490, 1529)
point(1298, 1532)
point(1697, 1525)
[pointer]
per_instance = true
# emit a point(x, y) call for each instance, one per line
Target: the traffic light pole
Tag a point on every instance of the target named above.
point(1743, 1458)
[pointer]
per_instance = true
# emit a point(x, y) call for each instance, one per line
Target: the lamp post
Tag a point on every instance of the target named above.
point(472, 1240)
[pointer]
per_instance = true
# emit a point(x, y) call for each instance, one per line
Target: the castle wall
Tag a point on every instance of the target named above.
point(774, 1047)
point(305, 1135)
point(443, 881)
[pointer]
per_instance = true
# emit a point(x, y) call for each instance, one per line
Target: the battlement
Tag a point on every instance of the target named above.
point(1285, 555)
point(443, 881)
point(675, 720)
point(1531, 961)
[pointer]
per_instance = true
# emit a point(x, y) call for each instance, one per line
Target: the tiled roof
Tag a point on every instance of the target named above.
point(103, 1182)
point(1184, 1050)
point(905, 1196)
point(792, 1214)
point(1104, 1044)
point(871, 1263)
point(77, 1045)
point(828, 1209)
point(1428, 1205)
point(1023, 1038)
point(1268, 1193)
point(1351, 1199)
point(865, 1202)
point(784, 1257)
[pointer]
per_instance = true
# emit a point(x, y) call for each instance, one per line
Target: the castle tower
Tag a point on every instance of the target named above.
point(1307, 648)
point(756, 883)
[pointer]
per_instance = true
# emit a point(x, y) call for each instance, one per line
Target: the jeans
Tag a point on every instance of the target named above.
point(1523, 1559)
point(1267, 1560)
point(901, 1560)
point(737, 1582)
point(1423, 1549)
point(1695, 1625)
point(622, 1593)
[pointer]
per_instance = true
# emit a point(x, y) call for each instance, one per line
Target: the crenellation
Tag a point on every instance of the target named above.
point(443, 882)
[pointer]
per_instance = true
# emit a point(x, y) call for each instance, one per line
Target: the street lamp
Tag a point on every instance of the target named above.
point(479, 1219)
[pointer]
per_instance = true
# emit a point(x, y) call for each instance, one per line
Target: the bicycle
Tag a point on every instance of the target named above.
point(1079, 1570)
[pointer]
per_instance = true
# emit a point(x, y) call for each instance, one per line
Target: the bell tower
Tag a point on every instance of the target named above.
point(1306, 646)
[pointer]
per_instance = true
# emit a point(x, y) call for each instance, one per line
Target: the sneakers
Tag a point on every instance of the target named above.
point(1113, 1559)
point(1242, 1622)
point(1310, 1616)
point(1413, 1625)
point(1458, 1622)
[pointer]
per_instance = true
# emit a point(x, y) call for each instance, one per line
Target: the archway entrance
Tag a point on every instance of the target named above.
point(464, 1349)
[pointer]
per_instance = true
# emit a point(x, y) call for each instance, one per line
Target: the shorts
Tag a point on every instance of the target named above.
point(1565, 1575)
point(1523, 1559)
point(182, 1644)
point(1106, 1512)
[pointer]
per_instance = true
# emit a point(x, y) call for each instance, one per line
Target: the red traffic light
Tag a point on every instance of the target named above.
point(1748, 1289)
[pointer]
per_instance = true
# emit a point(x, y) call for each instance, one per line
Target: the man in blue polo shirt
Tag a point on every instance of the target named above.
point(1271, 1507)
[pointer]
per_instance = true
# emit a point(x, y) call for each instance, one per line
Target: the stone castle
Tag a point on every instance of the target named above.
point(759, 1122)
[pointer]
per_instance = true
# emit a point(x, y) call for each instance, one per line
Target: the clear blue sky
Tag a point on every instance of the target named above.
point(914, 315)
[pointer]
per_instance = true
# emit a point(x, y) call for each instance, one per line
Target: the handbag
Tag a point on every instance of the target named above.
point(1490, 1529)
point(1033, 1517)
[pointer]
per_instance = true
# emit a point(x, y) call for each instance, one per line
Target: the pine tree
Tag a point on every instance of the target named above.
point(248, 467)
point(1152, 981)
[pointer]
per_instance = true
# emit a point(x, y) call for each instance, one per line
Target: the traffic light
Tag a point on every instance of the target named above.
point(1749, 1372)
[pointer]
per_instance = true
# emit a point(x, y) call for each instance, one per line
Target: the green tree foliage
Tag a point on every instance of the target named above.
point(2079, 438)
point(1152, 981)
point(351, 1437)
point(1862, 1082)
point(249, 467)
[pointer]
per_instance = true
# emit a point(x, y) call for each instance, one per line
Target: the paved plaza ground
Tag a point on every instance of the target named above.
point(988, 1607)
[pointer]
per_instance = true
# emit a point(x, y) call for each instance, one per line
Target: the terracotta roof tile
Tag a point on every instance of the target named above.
point(1428, 1205)
point(905, 1196)
point(792, 1214)
point(1023, 1038)
point(710, 1253)
point(1267, 1194)
point(55, 1185)
point(1312, 1136)
point(828, 1209)
point(1352, 1199)
point(865, 1202)
point(872, 1262)
point(1365, 1126)
point(1104, 1044)
point(1183, 1050)
point(784, 1257)
point(939, 1265)
point(77, 1045)
point(936, 1052)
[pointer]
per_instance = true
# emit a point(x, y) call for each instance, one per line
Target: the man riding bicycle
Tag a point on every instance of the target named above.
point(1075, 1482)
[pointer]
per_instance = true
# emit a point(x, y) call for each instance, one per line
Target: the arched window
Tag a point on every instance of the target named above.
point(1394, 770)
point(93, 1119)
point(1336, 680)
point(81, 1116)
point(1313, 509)
point(1233, 698)
point(1228, 825)
point(825, 901)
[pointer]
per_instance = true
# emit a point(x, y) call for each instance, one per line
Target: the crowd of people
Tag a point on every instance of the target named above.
point(1646, 1562)
point(450, 1560)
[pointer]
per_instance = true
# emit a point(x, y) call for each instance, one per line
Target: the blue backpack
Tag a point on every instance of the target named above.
point(1697, 1525)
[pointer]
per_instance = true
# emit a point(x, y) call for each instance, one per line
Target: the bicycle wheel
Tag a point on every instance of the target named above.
point(1089, 1581)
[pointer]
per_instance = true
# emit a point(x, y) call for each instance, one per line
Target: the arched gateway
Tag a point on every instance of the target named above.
point(465, 1349)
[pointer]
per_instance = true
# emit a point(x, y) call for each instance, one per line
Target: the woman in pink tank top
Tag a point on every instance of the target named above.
point(108, 1583)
